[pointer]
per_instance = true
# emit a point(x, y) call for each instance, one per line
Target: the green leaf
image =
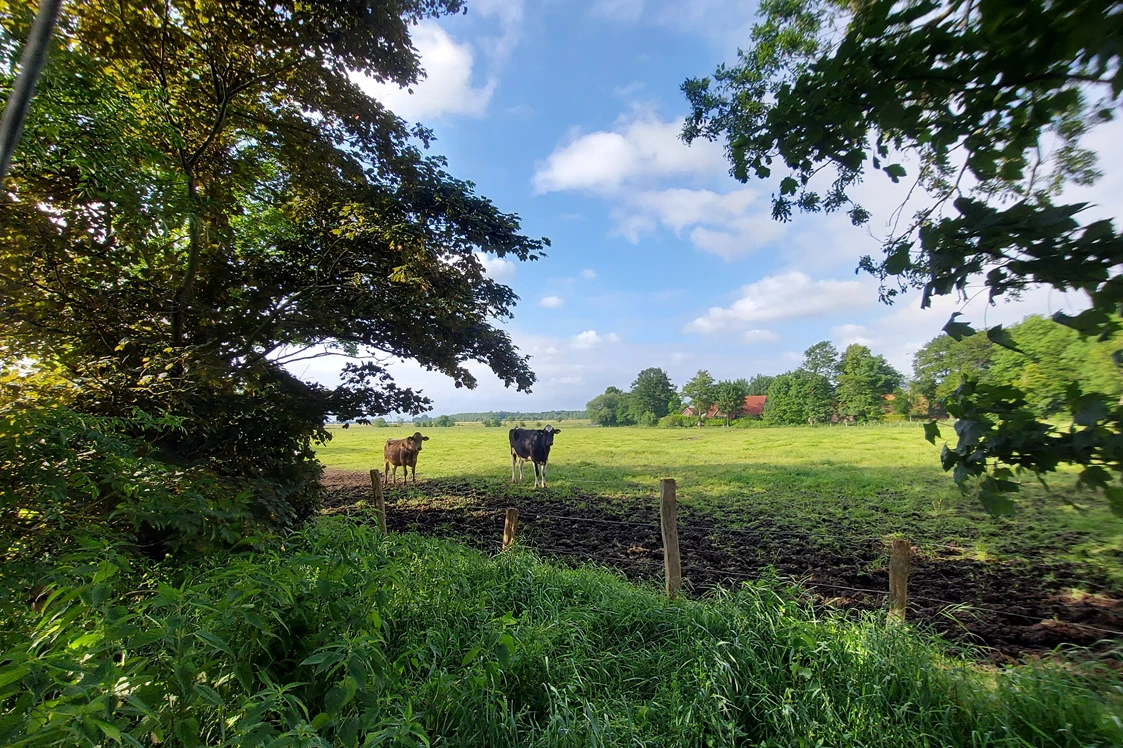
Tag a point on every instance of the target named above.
point(1089, 410)
point(895, 172)
point(899, 261)
point(472, 654)
point(1088, 322)
point(11, 675)
point(996, 502)
point(111, 732)
point(932, 431)
point(958, 330)
point(1114, 496)
point(1001, 337)
point(788, 186)
point(209, 695)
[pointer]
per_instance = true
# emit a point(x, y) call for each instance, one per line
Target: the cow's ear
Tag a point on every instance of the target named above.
point(424, 438)
point(557, 431)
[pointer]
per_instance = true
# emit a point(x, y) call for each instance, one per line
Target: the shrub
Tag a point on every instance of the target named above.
point(674, 420)
point(750, 422)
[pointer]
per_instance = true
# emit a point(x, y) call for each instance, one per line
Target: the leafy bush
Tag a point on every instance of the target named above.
point(675, 420)
point(70, 472)
point(342, 637)
point(750, 422)
point(647, 419)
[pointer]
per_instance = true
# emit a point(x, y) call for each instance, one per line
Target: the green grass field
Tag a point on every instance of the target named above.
point(837, 484)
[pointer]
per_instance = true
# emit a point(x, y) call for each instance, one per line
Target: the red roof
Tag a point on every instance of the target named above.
point(754, 405)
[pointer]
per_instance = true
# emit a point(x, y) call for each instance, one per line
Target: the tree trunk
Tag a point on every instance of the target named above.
point(183, 294)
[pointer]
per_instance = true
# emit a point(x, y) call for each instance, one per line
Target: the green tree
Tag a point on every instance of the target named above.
point(992, 101)
point(604, 409)
point(799, 397)
point(821, 359)
point(863, 381)
point(651, 392)
point(729, 397)
point(759, 384)
point(204, 194)
point(444, 421)
point(938, 365)
point(701, 392)
point(1052, 358)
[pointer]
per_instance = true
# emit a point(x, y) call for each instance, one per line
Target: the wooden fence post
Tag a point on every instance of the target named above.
point(899, 579)
point(668, 522)
point(379, 499)
point(510, 524)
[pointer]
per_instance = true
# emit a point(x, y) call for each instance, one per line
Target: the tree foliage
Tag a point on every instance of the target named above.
point(799, 397)
point(863, 382)
point(991, 100)
point(651, 393)
point(729, 397)
point(604, 409)
point(700, 390)
point(821, 359)
point(203, 193)
point(758, 384)
point(938, 365)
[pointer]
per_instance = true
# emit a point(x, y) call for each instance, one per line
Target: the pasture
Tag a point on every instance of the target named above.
point(816, 504)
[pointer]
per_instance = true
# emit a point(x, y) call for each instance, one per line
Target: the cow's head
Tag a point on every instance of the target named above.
point(548, 435)
point(417, 438)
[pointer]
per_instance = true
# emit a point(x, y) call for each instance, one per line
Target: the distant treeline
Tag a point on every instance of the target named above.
point(514, 415)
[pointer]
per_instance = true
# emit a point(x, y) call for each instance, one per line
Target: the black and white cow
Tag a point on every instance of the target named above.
point(533, 445)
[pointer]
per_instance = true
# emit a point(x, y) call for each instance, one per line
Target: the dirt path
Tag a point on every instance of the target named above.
point(1037, 613)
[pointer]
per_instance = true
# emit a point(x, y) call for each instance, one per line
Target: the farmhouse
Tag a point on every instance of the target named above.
point(753, 407)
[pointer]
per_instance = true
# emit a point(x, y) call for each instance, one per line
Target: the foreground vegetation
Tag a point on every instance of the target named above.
point(344, 637)
point(838, 485)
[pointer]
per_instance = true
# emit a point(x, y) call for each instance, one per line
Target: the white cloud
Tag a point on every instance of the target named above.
point(588, 274)
point(640, 148)
point(496, 267)
point(447, 88)
point(847, 335)
point(509, 13)
point(626, 91)
point(722, 223)
point(590, 339)
point(759, 336)
point(790, 295)
point(552, 302)
point(617, 10)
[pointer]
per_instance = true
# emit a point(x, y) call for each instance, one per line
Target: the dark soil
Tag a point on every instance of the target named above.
point(1010, 608)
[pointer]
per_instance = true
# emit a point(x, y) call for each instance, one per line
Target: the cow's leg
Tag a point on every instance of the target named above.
point(543, 475)
point(521, 463)
point(386, 474)
point(414, 471)
point(513, 458)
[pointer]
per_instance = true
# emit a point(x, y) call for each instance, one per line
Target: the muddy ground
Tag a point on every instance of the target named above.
point(1012, 609)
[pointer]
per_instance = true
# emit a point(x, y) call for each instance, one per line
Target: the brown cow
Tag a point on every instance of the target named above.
point(403, 453)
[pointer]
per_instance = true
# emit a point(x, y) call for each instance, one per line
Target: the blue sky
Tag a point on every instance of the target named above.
point(567, 112)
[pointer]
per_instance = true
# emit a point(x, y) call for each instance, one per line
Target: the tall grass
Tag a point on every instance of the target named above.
point(345, 637)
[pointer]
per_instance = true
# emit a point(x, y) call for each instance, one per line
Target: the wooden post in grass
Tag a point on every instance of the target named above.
point(899, 579)
point(668, 522)
point(379, 499)
point(510, 524)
